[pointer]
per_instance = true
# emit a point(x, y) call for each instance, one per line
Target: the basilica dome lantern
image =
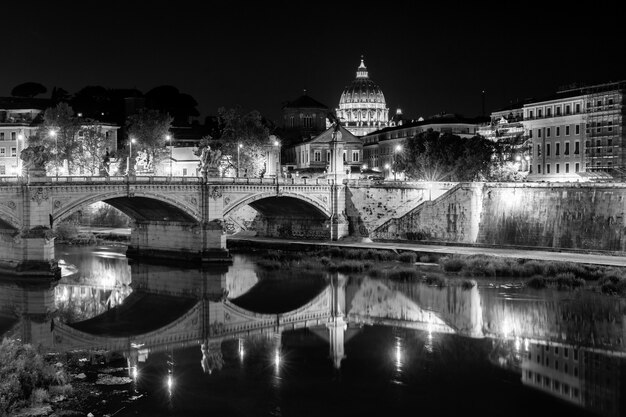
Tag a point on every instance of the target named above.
point(362, 107)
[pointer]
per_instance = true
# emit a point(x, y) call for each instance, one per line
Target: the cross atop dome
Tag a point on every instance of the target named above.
point(361, 72)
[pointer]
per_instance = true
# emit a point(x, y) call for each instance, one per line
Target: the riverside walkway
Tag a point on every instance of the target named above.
point(548, 254)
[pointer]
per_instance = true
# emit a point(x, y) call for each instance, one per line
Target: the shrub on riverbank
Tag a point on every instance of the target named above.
point(408, 257)
point(613, 284)
point(493, 267)
point(26, 377)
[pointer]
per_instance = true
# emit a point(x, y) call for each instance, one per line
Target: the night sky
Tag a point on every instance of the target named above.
point(258, 55)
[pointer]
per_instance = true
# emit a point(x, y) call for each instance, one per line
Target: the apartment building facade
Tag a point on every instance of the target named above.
point(578, 134)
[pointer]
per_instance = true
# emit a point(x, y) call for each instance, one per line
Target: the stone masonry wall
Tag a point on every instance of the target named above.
point(369, 204)
point(580, 216)
point(585, 216)
point(450, 217)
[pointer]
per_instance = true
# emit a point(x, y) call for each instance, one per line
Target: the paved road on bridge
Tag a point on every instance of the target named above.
point(545, 255)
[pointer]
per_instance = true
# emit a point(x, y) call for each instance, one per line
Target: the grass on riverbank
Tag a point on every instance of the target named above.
point(380, 263)
point(540, 274)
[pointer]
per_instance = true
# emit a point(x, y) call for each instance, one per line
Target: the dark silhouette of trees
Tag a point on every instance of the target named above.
point(29, 89)
point(167, 99)
point(92, 101)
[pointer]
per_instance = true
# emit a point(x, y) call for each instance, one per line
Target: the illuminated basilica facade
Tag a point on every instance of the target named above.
point(362, 107)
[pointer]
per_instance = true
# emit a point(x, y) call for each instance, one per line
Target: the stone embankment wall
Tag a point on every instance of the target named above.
point(580, 216)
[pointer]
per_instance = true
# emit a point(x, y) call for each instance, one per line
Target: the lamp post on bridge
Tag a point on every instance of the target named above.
point(53, 134)
point(239, 146)
point(279, 168)
point(18, 164)
point(130, 155)
point(397, 150)
point(169, 140)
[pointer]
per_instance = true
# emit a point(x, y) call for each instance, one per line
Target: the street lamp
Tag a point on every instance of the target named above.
point(20, 138)
point(53, 134)
point(130, 155)
point(239, 146)
point(277, 143)
point(398, 149)
point(169, 139)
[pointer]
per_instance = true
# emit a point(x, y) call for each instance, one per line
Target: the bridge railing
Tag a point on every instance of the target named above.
point(271, 181)
point(114, 180)
point(139, 179)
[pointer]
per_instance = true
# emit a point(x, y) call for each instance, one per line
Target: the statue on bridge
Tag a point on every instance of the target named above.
point(35, 158)
point(210, 161)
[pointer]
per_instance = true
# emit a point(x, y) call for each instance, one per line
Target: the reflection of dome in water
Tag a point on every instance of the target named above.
point(362, 106)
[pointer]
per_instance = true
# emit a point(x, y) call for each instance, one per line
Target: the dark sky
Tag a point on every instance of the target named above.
point(260, 54)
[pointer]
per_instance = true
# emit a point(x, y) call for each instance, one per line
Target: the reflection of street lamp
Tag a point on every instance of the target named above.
point(130, 155)
point(53, 134)
point(169, 139)
point(239, 146)
point(387, 167)
point(395, 160)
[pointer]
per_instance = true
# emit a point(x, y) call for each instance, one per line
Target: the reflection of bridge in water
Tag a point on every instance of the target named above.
point(199, 311)
point(559, 344)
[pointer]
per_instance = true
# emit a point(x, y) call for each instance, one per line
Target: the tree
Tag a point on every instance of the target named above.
point(431, 156)
point(58, 95)
point(149, 128)
point(58, 134)
point(29, 89)
point(248, 130)
point(89, 156)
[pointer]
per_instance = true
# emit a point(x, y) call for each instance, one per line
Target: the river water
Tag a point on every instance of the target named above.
point(244, 341)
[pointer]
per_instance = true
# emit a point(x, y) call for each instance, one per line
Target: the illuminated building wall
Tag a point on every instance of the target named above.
point(578, 134)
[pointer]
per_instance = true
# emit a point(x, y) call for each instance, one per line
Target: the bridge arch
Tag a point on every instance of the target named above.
point(140, 206)
point(311, 205)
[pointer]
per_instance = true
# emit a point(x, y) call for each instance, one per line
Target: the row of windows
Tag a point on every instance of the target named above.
point(558, 168)
point(317, 156)
point(3, 151)
point(557, 131)
point(558, 110)
point(557, 148)
point(3, 136)
point(555, 385)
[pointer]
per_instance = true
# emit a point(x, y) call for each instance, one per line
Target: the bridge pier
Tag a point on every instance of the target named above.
point(184, 241)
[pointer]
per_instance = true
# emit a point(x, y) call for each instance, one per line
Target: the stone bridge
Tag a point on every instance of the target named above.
point(178, 218)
